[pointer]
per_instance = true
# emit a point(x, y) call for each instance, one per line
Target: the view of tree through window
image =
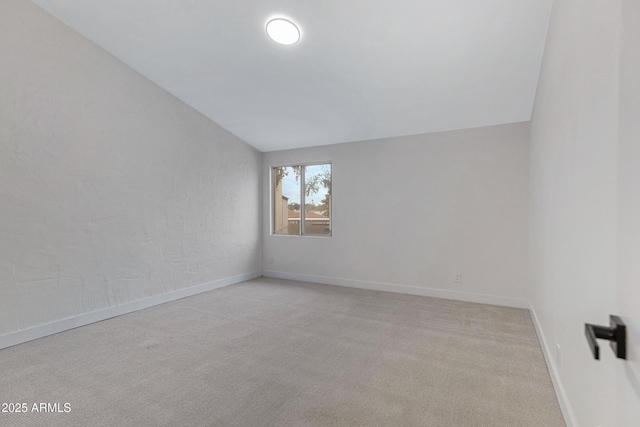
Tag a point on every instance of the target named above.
point(302, 199)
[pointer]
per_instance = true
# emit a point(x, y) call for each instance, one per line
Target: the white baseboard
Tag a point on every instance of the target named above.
point(402, 289)
point(567, 412)
point(40, 331)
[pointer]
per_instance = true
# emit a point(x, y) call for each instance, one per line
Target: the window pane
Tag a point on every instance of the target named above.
point(317, 212)
point(286, 200)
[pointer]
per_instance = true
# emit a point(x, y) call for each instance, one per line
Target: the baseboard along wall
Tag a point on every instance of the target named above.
point(552, 367)
point(402, 289)
point(62, 325)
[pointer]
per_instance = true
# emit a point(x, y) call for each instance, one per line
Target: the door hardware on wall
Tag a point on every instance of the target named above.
point(616, 333)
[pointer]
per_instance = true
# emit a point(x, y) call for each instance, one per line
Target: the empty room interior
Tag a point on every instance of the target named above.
point(333, 213)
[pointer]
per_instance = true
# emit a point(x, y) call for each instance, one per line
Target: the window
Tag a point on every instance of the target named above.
point(302, 199)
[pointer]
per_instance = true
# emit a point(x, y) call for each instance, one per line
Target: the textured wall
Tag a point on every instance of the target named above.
point(411, 211)
point(111, 190)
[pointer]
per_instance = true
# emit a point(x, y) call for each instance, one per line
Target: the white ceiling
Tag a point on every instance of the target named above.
point(363, 69)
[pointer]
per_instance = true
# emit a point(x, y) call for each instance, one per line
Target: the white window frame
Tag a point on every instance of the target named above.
point(303, 166)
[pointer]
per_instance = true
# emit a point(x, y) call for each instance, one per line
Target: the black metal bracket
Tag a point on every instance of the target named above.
point(616, 333)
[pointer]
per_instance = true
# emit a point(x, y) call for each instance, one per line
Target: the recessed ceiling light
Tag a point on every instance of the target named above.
point(283, 31)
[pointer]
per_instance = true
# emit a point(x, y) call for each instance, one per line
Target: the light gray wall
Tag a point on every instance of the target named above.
point(628, 267)
point(111, 190)
point(584, 191)
point(408, 212)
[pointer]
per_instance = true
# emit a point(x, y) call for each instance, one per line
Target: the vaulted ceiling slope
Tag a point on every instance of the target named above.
point(363, 69)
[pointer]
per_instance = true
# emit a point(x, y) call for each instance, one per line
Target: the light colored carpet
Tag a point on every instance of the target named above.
point(279, 353)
